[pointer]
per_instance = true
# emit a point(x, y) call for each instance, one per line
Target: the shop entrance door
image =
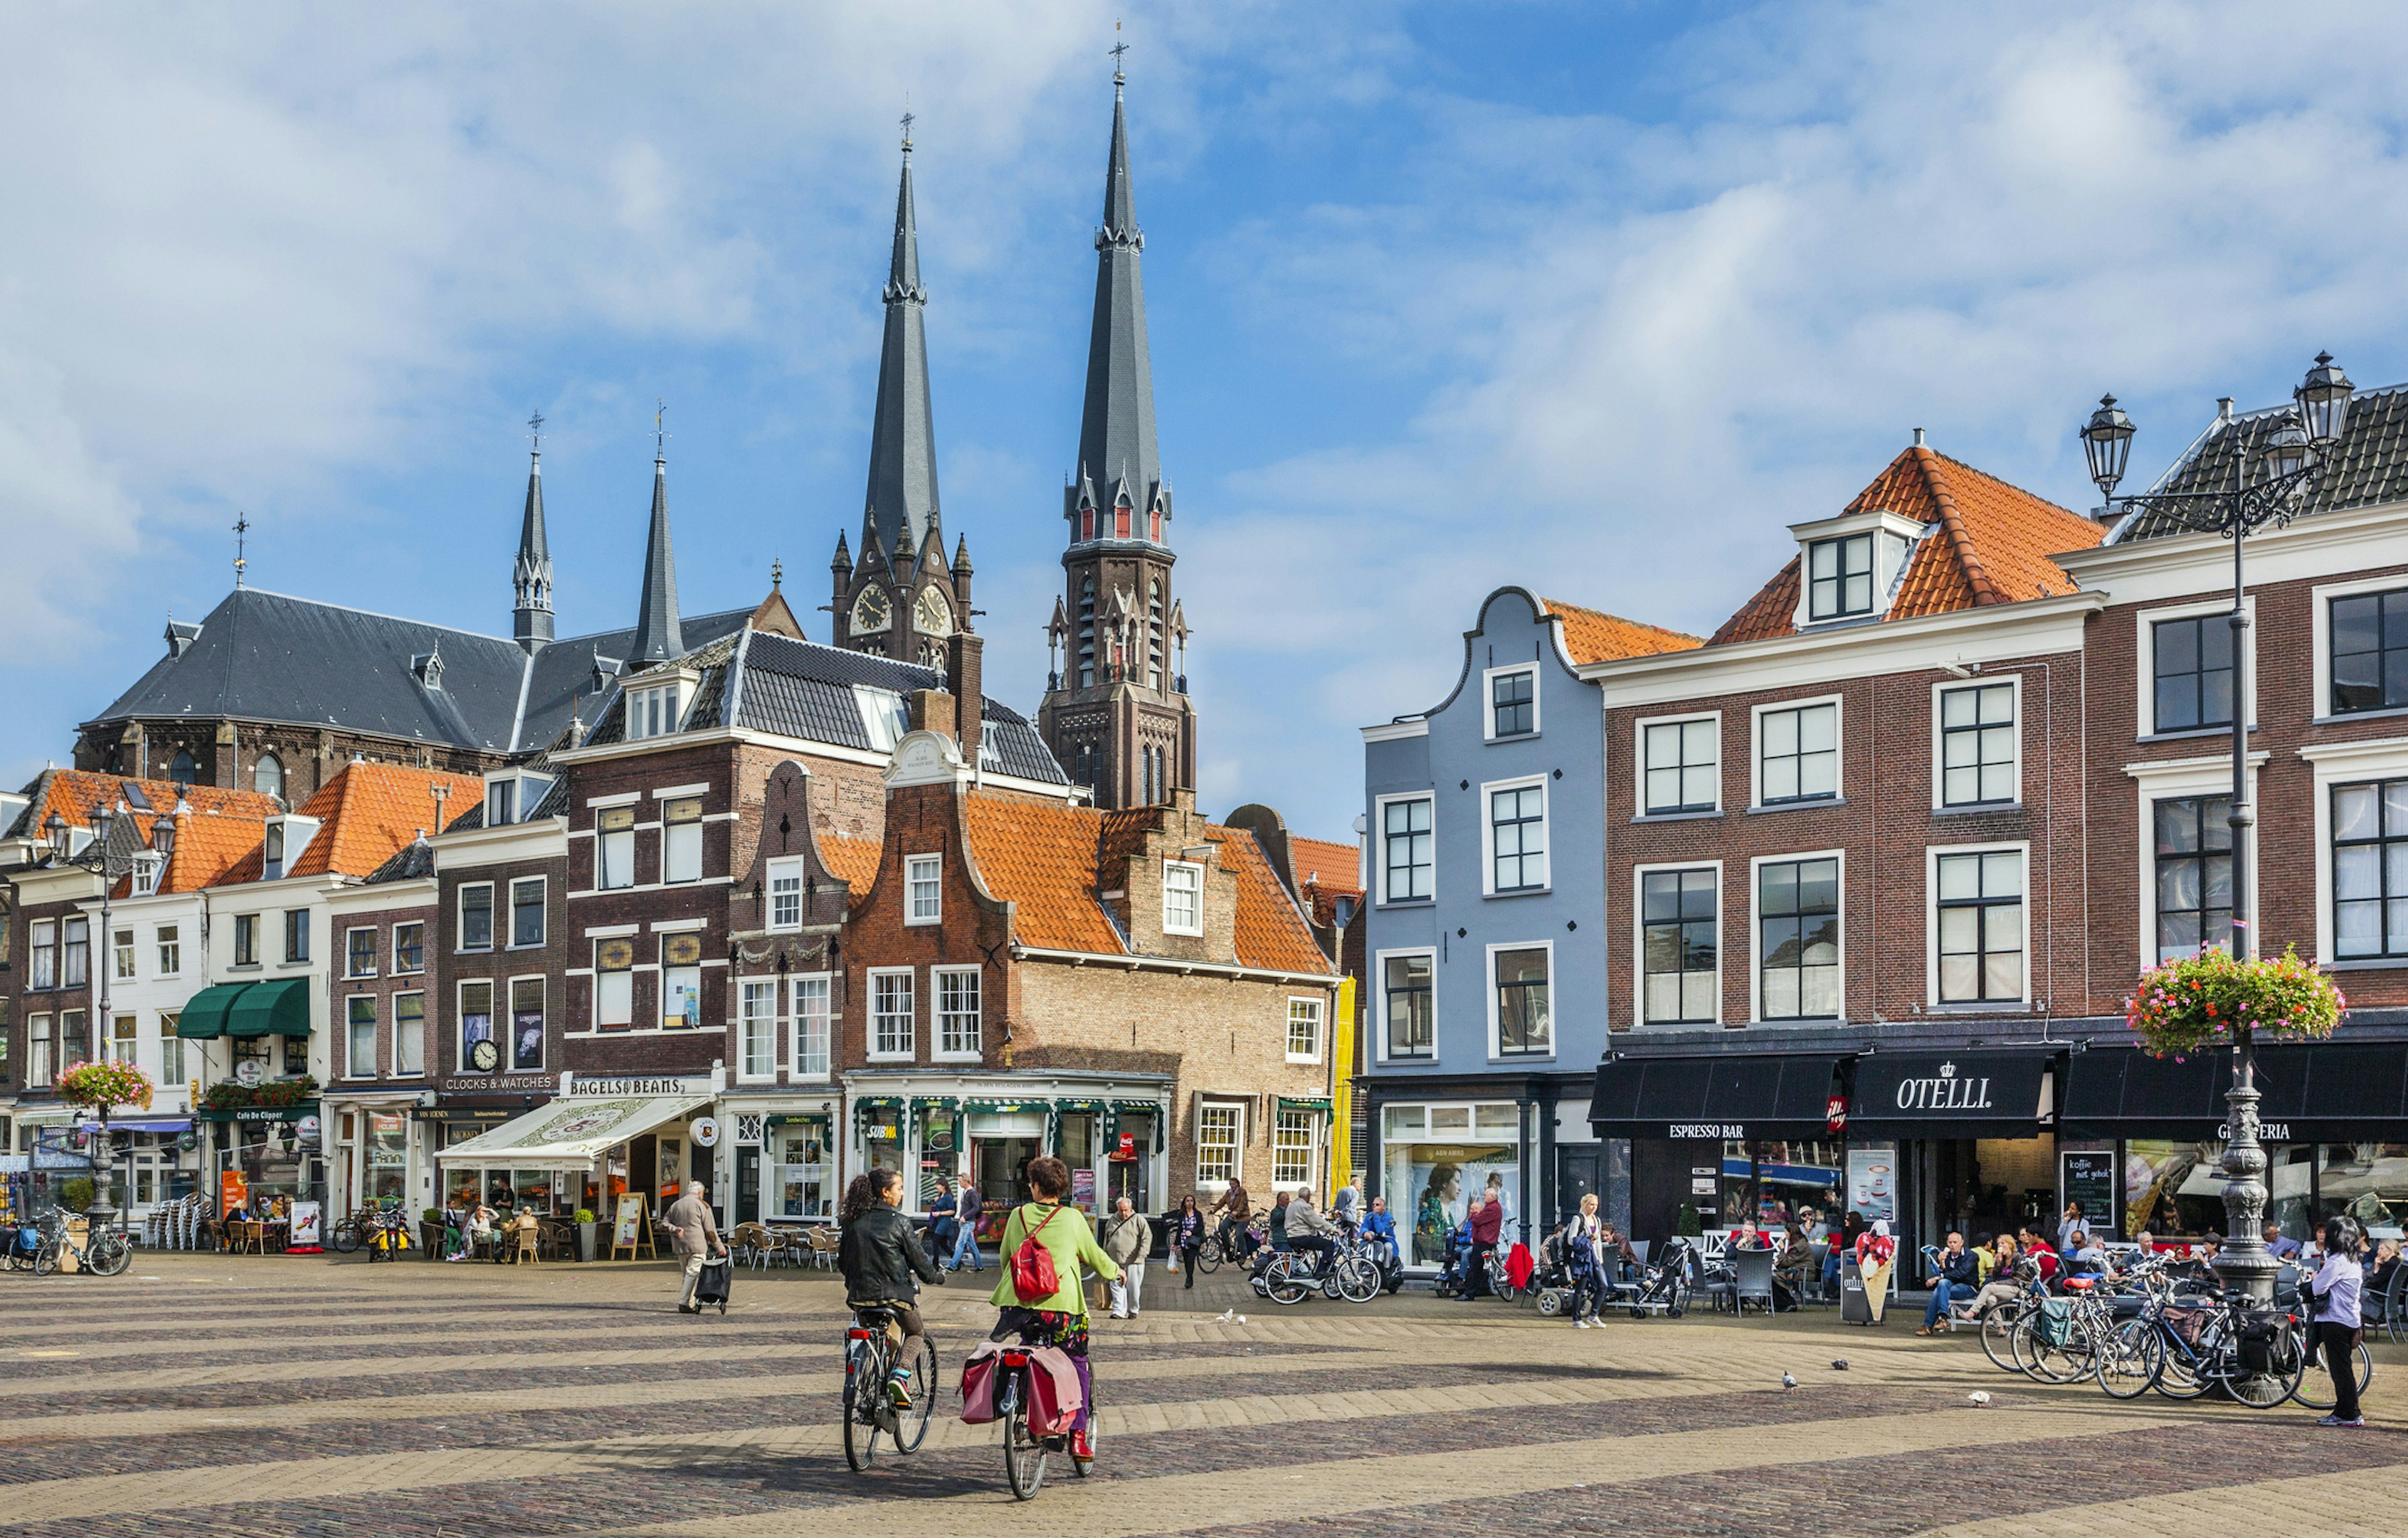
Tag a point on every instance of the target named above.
point(748, 1184)
point(1579, 1171)
point(1133, 1177)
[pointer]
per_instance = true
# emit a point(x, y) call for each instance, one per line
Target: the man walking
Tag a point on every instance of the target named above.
point(694, 1237)
point(965, 1216)
point(1127, 1239)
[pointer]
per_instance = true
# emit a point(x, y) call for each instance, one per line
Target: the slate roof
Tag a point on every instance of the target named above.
point(805, 689)
point(2369, 466)
point(1051, 860)
point(413, 861)
point(1591, 634)
point(1989, 543)
point(268, 657)
point(1118, 453)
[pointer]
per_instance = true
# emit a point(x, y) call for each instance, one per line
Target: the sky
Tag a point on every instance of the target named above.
point(1594, 297)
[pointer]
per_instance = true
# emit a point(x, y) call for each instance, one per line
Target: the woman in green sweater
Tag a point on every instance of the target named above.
point(1060, 1320)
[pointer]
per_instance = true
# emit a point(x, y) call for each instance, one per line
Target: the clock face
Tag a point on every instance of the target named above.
point(871, 612)
point(484, 1056)
point(933, 615)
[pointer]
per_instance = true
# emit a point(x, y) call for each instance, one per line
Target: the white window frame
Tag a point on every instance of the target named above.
point(167, 949)
point(811, 1013)
point(1640, 765)
point(1186, 866)
point(1931, 856)
point(1488, 789)
point(544, 909)
point(785, 868)
point(42, 945)
point(41, 1037)
point(1488, 702)
point(350, 970)
point(1380, 805)
point(460, 918)
point(1638, 874)
point(2334, 764)
point(1497, 1053)
point(174, 1073)
point(401, 1068)
point(1755, 934)
point(1380, 1009)
point(354, 1065)
point(604, 865)
point(1314, 1123)
point(1316, 1010)
point(2144, 652)
point(872, 1015)
point(1941, 689)
point(681, 844)
point(942, 1046)
point(663, 972)
point(2175, 779)
point(614, 982)
point(1206, 1110)
point(919, 872)
point(2321, 631)
point(1873, 585)
point(1839, 751)
point(399, 970)
point(757, 1025)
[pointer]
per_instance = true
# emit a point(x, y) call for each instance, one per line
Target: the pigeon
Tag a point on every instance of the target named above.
point(1227, 1314)
point(1788, 1382)
point(1981, 1400)
point(1840, 1365)
point(1241, 1319)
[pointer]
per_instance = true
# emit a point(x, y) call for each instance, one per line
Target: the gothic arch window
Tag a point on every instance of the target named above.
point(1153, 635)
point(184, 771)
point(1086, 523)
point(1154, 523)
point(932, 654)
point(1120, 520)
point(1088, 633)
point(267, 775)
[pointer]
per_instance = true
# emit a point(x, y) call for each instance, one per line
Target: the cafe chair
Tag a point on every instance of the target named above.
point(824, 1241)
point(530, 1246)
point(1750, 1279)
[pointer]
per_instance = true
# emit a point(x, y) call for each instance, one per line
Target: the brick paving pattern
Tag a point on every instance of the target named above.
point(290, 1396)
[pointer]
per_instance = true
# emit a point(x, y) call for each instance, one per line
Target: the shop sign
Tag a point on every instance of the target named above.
point(1946, 1092)
point(625, 1088)
point(306, 1111)
point(1714, 1129)
point(497, 1084)
point(1835, 1115)
point(251, 1073)
point(1700, 1187)
point(2270, 1131)
point(306, 1129)
point(706, 1131)
point(1127, 1149)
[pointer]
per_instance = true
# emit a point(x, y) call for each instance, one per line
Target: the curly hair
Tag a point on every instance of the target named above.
point(865, 1192)
point(1049, 1177)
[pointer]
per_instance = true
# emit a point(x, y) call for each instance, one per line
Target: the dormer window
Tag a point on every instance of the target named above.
point(146, 869)
point(287, 837)
point(513, 795)
point(1840, 577)
point(651, 712)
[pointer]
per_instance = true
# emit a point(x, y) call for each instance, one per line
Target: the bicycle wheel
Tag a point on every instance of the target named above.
point(1358, 1280)
point(1284, 1286)
point(111, 1255)
point(911, 1426)
point(1023, 1457)
point(2181, 1370)
point(1998, 1339)
point(1082, 1467)
point(2126, 1360)
point(1208, 1260)
point(862, 1387)
point(45, 1259)
point(346, 1237)
point(2264, 1390)
point(2315, 1389)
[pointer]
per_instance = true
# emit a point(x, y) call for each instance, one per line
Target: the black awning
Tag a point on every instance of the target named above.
point(1728, 1095)
point(2328, 1092)
point(1950, 1095)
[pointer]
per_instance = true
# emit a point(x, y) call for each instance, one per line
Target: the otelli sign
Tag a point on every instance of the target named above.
point(1944, 1091)
point(1950, 1096)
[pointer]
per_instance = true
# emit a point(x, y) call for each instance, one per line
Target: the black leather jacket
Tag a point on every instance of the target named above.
point(879, 1254)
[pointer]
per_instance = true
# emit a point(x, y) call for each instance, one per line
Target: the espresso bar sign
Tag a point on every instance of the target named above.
point(1947, 1092)
point(1723, 1129)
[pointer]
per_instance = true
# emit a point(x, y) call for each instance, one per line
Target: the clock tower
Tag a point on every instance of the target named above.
point(901, 596)
point(1116, 711)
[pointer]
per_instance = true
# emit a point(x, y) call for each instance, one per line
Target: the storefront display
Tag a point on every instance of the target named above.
point(802, 1183)
point(1437, 1157)
point(387, 1156)
point(1872, 1182)
point(1769, 1181)
point(2175, 1189)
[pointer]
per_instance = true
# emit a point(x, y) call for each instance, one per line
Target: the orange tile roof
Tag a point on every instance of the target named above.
point(368, 813)
point(74, 795)
point(1043, 857)
point(1331, 867)
point(207, 846)
point(1992, 545)
point(851, 861)
point(1591, 634)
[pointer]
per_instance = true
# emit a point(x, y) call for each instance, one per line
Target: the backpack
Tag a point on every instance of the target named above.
point(1032, 1266)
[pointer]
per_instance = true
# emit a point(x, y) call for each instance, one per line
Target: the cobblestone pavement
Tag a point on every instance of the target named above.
point(271, 1396)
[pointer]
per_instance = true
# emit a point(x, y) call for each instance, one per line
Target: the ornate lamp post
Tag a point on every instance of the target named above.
point(94, 858)
point(2289, 461)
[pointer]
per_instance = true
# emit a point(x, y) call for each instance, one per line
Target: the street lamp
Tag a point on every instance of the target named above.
point(95, 857)
point(2289, 461)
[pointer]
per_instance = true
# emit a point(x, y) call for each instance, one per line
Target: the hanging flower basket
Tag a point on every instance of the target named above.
point(103, 1086)
point(2202, 1002)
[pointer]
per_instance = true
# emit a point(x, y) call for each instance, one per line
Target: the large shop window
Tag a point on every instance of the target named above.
point(1797, 917)
point(803, 1182)
point(881, 1136)
point(2176, 1188)
point(757, 1025)
point(614, 983)
point(1977, 745)
point(2194, 672)
point(810, 1005)
point(1216, 1142)
point(681, 982)
point(1438, 1156)
point(1525, 1016)
point(1980, 907)
point(2369, 651)
point(681, 839)
point(1411, 1013)
point(1405, 827)
point(388, 1156)
point(2370, 866)
point(615, 847)
point(2194, 889)
point(1679, 919)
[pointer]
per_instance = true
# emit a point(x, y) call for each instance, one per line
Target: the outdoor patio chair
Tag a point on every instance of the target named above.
point(822, 1241)
point(530, 1240)
point(1750, 1279)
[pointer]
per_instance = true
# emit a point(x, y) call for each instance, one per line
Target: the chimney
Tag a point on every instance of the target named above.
point(2223, 410)
point(931, 710)
point(965, 667)
point(1918, 437)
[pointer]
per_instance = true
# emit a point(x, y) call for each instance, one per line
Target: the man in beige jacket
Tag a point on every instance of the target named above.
point(693, 1238)
point(1127, 1239)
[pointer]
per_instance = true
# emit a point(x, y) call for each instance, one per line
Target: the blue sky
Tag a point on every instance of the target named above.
point(1596, 297)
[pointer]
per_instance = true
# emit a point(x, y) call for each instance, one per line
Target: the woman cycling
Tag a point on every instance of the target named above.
point(879, 1255)
point(1059, 1319)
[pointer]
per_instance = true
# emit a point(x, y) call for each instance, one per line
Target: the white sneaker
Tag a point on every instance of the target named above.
point(1581, 1323)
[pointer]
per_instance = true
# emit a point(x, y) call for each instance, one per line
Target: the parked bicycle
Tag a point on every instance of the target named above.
point(868, 1363)
point(2255, 1353)
point(366, 1226)
point(104, 1253)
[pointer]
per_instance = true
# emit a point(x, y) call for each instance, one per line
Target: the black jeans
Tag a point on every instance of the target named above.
point(1315, 1246)
point(1475, 1281)
point(2338, 1346)
point(1187, 1258)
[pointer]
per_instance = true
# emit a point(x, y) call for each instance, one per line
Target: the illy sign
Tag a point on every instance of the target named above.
point(1946, 1092)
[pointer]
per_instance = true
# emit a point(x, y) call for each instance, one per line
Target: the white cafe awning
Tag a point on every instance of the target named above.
point(570, 1134)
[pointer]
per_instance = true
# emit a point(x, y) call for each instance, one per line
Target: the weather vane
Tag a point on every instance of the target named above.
point(241, 528)
point(660, 433)
point(1120, 45)
point(535, 430)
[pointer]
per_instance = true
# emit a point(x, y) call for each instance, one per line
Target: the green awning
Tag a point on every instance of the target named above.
point(1288, 1104)
point(936, 1102)
point(204, 1013)
point(281, 1008)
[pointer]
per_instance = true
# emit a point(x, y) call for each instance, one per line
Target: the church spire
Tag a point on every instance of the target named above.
point(532, 574)
point(658, 636)
point(1117, 455)
point(902, 437)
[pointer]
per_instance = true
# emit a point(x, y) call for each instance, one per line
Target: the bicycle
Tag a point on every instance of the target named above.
point(2257, 1355)
point(1221, 1244)
point(870, 1348)
point(2314, 1391)
point(105, 1254)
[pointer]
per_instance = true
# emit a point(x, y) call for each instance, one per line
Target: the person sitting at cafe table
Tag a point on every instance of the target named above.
point(2084, 1257)
point(1955, 1275)
point(2277, 1245)
point(2008, 1279)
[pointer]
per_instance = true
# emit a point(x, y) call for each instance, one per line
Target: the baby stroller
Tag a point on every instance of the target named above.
point(1664, 1287)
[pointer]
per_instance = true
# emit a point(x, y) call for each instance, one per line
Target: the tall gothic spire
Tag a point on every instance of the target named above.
point(532, 574)
point(903, 438)
point(658, 636)
point(1116, 445)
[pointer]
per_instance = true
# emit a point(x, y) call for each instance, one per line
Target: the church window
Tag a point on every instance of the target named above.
point(1087, 632)
point(1153, 635)
point(1086, 523)
point(184, 771)
point(267, 775)
point(1120, 520)
point(1154, 525)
